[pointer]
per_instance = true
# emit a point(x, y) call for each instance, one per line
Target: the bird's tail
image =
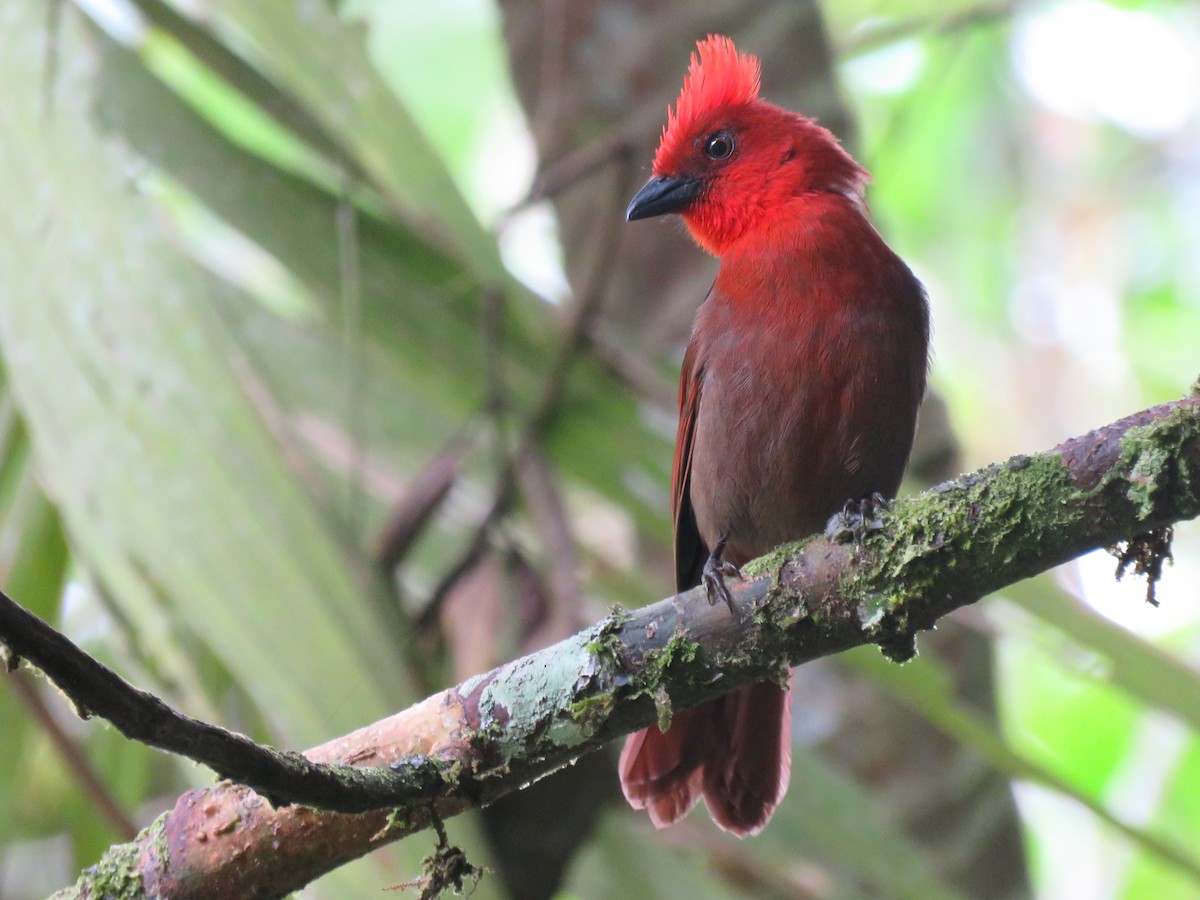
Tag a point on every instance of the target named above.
point(735, 751)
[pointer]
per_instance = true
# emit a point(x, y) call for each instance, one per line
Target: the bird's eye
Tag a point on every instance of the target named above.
point(719, 145)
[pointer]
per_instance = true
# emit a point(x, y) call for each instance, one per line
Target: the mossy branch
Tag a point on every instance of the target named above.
point(484, 738)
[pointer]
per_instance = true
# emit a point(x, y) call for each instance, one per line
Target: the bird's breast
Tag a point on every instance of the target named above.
point(796, 416)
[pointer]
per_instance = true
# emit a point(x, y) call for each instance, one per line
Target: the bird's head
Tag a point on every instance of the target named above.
point(729, 161)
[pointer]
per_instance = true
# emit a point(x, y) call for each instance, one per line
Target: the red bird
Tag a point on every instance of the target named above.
point(799, 392)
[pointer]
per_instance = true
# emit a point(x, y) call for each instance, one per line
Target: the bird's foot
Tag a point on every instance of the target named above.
point(857, 519)
point(716, 570)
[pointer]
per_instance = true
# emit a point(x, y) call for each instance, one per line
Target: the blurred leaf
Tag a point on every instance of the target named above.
point(165, 475)
point(451, 74)
point(1064, 710)
point(14, 471)
point(1159, 329)
point(1084, 729)
point(33, 569)
point(832, 819)
point(33, 563)
point(409, 288)
point(33, 550)
point(1145, 672)
point(914, 144)
point(922, 686)
point(323, 62)
point(622, 861)
point(12, 743)
point(420, 310)
point(1179, 813)
point(856, 14)
point(247, 106)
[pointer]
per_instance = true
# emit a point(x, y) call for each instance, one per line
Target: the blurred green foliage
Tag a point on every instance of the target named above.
point(247, 271)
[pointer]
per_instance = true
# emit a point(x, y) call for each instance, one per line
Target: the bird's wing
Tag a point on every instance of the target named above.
point(690, 551)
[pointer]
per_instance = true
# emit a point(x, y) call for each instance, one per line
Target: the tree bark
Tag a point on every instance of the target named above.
point(494, 733)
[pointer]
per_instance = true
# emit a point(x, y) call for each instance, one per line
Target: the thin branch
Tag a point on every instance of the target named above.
point(502, 500)
point(574, 338)
point(50, 62)
point(282, 777)
point(549, 514)
point(944, 24)
point(496, 732)
point(423, 497)
point(551, 65)
point(354, 353)
point(646, 381)
point(577, 166)
point(590, 297)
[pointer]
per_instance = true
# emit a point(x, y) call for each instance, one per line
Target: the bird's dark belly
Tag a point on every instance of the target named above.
point(772, 462)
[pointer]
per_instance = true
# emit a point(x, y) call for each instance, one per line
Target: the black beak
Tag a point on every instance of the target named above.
point(663, 194)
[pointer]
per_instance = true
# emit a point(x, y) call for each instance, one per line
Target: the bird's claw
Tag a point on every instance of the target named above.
point(857, 519)
point(716, 570)
point(714, 582)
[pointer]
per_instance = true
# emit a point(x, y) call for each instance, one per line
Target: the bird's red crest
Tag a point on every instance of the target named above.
point(718, 76)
